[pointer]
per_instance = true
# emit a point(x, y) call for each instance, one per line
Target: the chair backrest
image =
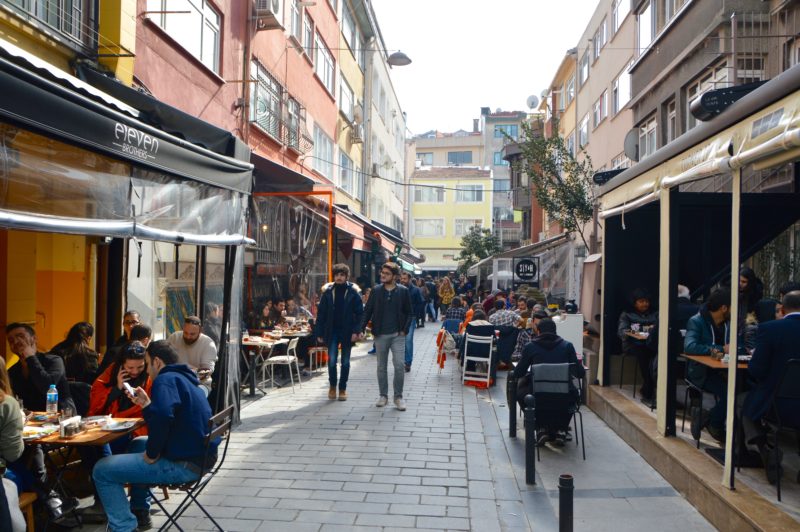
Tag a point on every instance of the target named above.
point(451, 325)
point(292, 349)
point(219, 426)
point(551, 378)
point(480, 346)
point(789, 385)
point(80, 392)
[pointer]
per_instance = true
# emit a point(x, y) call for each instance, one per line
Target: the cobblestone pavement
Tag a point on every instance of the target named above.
point(300, 462)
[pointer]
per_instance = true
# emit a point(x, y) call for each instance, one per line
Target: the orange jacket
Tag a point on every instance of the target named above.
point(467, 319)
point(99, 397)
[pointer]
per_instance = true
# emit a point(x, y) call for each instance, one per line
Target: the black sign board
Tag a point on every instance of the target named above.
point(526, 271)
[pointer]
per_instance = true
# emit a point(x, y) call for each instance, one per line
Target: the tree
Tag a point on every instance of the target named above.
point(476, 245)
point(560, 183)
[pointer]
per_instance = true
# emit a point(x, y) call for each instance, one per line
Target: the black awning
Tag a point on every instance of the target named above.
point(163, 116)
point(273, 177)
point(34, 102)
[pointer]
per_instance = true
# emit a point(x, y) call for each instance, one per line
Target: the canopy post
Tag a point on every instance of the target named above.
point(665, 296)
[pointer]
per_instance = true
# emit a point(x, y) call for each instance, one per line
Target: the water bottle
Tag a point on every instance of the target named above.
point(52, 400)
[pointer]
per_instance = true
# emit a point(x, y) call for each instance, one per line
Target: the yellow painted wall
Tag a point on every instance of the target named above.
point(19, 33)
point(118, 36)
point(352, 73)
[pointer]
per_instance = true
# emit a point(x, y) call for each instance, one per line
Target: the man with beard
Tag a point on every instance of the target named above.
point(195, 349)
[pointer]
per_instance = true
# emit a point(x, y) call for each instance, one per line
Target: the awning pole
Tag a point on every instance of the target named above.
point(665, 295)
point(736, 187)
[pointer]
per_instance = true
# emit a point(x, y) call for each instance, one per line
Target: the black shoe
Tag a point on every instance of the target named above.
point(408, 368)
point(58, 509)
point(94, 514)
point(543, 438)
point(143, 520)
point(771, 465)
point(718, 433)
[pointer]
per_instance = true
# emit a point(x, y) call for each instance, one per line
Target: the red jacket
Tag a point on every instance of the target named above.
point(100, 394)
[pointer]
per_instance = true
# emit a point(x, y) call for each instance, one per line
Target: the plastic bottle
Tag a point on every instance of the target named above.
point(52, 400)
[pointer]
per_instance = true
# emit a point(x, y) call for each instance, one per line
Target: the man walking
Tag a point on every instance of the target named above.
point(417, 306)
point(389, 309)
point(339, 324)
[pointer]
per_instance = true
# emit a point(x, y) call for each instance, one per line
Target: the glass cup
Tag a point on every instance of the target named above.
point(67, 412)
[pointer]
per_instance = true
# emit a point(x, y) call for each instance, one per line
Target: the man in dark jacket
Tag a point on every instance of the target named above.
point(633, 329)
point(174, 452)
point(776, 343)
point(431, 305)
point(389, 309)
point(417, 305)
point(707, 333)
point(548, 348)
point(339, 324)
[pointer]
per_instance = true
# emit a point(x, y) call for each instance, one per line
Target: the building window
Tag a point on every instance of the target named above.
point(459, 157)
point(647, 138)
point(583, 132)
point(194, 24)
point(346, 181)
point(294, 118)
point(749, 69)
point(569, 143)
point(502, 185)
point(323, 153)
point(599, 109)
point(621, 91)
point(498, 159)
point(618, 13)
point(599, 39)
point(428, 194)
point(620, 161)
point(428, 227)
point(69, 17)
point(265, 100)
point(297, 20)
point(570, 89)
point(426, 158)
point(308, 36)
point(647, 26)
point(469, 194)
point(361, 55)
point(323, 64)
point(512, 130)
point(672, 121)
point(349, 28)
point(462, 225)
point(671, 9)
point(346, 100)
point(583, 72)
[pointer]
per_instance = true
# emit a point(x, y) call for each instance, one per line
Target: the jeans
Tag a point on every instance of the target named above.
point(333, 352)
point(717, 385)
point(410, 344)
point(397, 344)
point(430, 310)
point(113, 472)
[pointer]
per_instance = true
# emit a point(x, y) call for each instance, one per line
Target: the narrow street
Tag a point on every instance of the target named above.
point(302, 463)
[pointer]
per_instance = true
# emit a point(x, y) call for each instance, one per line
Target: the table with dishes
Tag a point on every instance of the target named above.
point(256, 341)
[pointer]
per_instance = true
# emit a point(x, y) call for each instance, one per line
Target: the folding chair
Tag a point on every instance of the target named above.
point(555, 395)
point(219, 426)
point(282, 360)
point(478, 351)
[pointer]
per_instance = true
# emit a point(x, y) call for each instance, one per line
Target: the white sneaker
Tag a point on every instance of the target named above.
point(400, 403)
point(382, 400)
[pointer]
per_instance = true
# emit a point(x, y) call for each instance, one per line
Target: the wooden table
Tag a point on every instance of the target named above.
point(92, 437)
point(711, 362)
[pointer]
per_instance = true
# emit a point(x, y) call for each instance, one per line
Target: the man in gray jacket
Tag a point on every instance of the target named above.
point(389, 309)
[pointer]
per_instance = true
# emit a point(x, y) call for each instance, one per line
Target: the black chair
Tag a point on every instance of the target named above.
point(556, 396)
point(219, 426)
point(785, 399)
point(506, 342)
point(80, 392)
point(692, 392)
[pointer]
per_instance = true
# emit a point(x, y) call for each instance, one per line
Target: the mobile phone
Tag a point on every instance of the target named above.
point(129, 389)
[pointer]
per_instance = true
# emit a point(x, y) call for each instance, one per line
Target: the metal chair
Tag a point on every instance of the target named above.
point(478, 350)
point(554, 394)
point(282, 360)
point(692, 391)
point(625, 355)
point(787, 392)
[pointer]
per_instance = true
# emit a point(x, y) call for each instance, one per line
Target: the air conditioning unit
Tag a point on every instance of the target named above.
point(357, 134)
point(269, 15)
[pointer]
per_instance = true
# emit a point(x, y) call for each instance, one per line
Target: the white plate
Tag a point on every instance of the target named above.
point(119, 427)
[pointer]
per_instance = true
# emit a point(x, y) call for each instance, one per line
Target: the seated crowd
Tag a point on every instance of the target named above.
point(171, 380)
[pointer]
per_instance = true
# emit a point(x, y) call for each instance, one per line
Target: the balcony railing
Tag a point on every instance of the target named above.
point(521, 199)
point(289, 133)
point(71, 19)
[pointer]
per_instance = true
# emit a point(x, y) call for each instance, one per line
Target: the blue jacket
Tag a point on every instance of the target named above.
point(776, 342)
point(177, 417)
point(700, 339)
point(417, 301)
point(351, 313)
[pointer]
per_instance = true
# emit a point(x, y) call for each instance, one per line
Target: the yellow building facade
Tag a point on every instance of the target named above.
point(445, 203)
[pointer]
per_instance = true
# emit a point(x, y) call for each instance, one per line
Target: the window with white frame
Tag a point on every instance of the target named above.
point(512, 130)
point(346, 103)
point(599, 109)
point(266, 98)
point(194, 24)
point(463, 225)
point(620, 161)
point(647, 138)
point(358, 182)
point(749, 69)
point(349, 28)
point(346, 181)
point(569, 143)
point(428, 194)
point(672, 121)
point(426, 158)
point(428, 227)
point(620, 91)
point(583, 132)
point(647, 25)
point(361, 54)
point(323, 153)
point(294, 119)
point(570, 89)
point(618, 13)
point(297, 20)
point(599, 39)
point(502, 185)
point(323, 64)
point(583, 71)
point(469, 194)
point(671, 8)
point(308, 36)
point(459, 157)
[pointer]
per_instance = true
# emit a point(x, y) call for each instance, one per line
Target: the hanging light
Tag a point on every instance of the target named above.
point(398, 59)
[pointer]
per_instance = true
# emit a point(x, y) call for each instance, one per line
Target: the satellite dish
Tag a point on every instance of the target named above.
point(544, 93)
point(498, 110)
point(631, 145)
point(532, 101)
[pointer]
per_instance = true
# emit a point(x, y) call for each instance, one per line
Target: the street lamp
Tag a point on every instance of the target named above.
point(398, 59)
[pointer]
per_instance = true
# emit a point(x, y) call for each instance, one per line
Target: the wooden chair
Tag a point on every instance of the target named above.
point(26, 500)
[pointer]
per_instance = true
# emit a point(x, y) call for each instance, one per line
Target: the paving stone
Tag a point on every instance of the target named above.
point(400, 521)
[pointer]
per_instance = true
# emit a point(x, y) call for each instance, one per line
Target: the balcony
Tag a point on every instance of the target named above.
point(289, 133)
point(509, 236)
point(521, 199)
point(71, 19)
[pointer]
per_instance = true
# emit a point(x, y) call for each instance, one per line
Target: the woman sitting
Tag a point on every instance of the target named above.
point(80, 360)
point(108, 395)
point(11, 447)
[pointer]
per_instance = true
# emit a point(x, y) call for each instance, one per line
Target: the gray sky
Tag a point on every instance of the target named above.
point(469, 54)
